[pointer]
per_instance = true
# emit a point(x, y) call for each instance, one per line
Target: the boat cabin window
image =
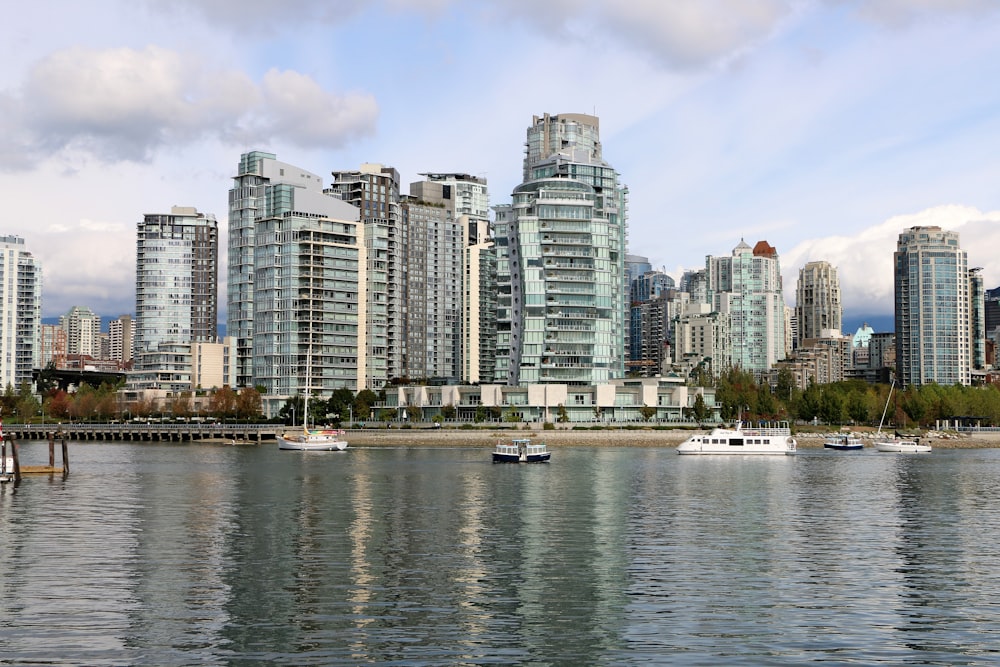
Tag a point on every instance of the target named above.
point(736, 442)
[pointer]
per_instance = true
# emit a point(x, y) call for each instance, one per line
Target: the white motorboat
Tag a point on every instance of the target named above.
point(773, 438)
point(895, 443)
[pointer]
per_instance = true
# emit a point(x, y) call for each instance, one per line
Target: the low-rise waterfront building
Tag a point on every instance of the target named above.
point(669, 398)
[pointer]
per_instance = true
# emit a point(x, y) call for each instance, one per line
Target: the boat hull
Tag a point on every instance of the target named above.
point(740, 441)
point(742, 451)
point(844, 444)
point(514, 458)
point(902, 447)
point(311, 445)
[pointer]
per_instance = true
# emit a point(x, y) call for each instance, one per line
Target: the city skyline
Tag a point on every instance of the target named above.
point(823, 128)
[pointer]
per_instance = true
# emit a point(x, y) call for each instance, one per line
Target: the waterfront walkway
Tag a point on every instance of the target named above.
point(177, 432)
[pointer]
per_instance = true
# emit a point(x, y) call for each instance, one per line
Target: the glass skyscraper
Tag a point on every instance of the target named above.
point(294, 262)
point(561, 261)
point(746, 286)
point(935, 317)
point(20, 312)
point(176, 286)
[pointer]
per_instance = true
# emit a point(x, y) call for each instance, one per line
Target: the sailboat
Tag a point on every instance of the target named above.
point(312, 439)
point(894, 444)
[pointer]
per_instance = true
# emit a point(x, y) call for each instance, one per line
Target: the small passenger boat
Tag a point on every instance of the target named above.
point(843, 442)
point(521, 450)
point(762, 439)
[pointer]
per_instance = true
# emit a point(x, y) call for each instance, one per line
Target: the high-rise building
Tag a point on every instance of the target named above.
point(561, 261)
point(176, 287)
point(448, 279)
point(935, 315)
point(479, 301)
point(121, 331)
point(747, 287)
point(250, 198)
point(83, 329)
point(20, 312)
point(53, 346)
point(306, 318)
point(374, 190)
point(818, 308)
point(702, 340)
point(653, 305)
point(431, 288)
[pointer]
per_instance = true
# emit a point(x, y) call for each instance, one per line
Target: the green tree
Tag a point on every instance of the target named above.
point(340, 403)
point(290, 411)
point(363, 403)
point(648, 412)
point(561, 415)
point(27, 405)
point(831, 408)
point(700, 408)
point(809, 404)
point(859, 406)
point(448, 412)
point(414, 413)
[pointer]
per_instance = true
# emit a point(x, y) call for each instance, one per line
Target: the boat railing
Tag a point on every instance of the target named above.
point(778, 429)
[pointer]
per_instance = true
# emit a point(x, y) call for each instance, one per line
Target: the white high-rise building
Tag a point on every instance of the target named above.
point(20, 312)
point(746, 286)
point(83, 332)
point(296, 269)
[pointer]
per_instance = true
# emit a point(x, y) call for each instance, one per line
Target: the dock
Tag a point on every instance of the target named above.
point(17, 471)
point(147, 431)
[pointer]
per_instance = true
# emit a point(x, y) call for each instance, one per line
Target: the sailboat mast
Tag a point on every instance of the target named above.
point(886, 408)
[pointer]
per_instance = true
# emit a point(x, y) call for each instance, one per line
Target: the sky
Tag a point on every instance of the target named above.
point(825, 127)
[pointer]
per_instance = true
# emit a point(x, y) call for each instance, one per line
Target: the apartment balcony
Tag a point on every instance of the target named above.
point(566, 239)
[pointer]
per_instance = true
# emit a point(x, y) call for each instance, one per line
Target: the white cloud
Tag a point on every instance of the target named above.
point(96, 270)
point(899, 12)
point(264, 16)
point(125, 104)
point(865, 262)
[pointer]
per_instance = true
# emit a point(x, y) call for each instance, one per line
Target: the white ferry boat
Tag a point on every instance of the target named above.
point(775, 438)
point(521, 450)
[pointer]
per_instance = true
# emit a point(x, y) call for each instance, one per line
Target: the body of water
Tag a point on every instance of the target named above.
point(167, 554)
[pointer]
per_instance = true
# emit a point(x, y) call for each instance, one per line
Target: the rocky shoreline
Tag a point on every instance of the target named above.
point(448, 437)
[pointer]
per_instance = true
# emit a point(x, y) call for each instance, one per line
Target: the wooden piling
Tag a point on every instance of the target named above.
point(50, 469)
point(65, 456)
point(17, 463)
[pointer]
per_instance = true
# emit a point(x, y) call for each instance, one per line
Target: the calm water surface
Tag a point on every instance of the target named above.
point(201, 555)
